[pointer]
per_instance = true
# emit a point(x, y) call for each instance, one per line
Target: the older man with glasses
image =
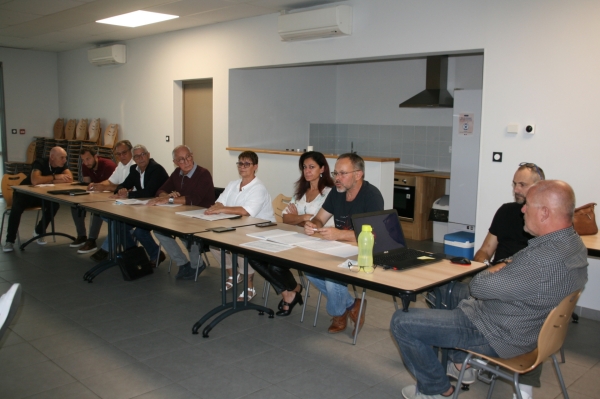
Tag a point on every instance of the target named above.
point(143, 181)
point(352, 195)
point(189, 184)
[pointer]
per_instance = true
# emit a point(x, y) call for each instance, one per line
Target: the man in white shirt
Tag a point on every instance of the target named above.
point(124, 155)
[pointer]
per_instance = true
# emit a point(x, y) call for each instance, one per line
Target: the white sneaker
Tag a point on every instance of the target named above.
point(9, 303)
point(411, 392)
point(524, 395)
point(468, 377)
point(40, 241)
point(8, 247)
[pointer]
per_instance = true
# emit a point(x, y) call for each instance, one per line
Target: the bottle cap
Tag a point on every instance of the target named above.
point(366, 227)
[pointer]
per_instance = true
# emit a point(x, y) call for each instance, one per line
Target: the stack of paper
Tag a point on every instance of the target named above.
point(199, 214)
point(289, 238)
point(131, 202)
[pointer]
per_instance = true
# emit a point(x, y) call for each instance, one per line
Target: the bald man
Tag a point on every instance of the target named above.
point(502, 310)
point(52, 169)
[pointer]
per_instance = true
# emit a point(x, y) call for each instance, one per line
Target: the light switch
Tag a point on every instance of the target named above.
point(512, 129)
point(496, 157)
point(530, 129)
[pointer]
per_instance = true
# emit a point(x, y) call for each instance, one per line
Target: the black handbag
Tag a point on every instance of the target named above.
point(134, 263)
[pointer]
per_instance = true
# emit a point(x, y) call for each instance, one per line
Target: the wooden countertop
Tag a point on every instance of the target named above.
point(437, 175)
point(294, 153)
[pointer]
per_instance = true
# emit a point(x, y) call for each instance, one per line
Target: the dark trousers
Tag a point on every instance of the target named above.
point(20, 203)
point(281, 278)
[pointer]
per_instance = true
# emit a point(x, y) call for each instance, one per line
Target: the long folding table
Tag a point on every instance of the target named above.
point(161, 218)
point(76, 200)
point(592, 243)
point(404, 284)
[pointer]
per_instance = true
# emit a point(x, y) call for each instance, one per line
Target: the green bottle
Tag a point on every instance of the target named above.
point(365, 246)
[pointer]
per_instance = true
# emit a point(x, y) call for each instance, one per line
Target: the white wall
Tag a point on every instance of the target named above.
point(540, 66)
point(30, 96)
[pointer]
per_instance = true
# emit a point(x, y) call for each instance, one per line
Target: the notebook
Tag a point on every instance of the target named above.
point(390, 250)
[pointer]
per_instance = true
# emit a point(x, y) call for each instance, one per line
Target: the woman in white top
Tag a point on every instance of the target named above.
point(247, 196)
point(312, 187)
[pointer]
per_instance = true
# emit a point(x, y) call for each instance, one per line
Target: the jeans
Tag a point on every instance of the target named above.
point(22, 202)
point(145, 238)
point(79, 220)
point(128, 237)
point(419, 330)
point(338, 297)
point(175, 252)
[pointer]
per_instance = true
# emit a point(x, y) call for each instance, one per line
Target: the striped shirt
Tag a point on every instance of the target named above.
point(509, 307)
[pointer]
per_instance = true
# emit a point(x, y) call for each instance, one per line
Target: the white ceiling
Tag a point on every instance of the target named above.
point(61, 25)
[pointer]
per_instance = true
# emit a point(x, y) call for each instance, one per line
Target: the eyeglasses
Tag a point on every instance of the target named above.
point(356, 268)
point(535, 168)
point(143, 154)
point(244, 164)
point(341, 174)
point(184, 159)
point(121, 153)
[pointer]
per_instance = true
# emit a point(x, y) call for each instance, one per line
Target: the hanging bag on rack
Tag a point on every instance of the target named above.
point(584, 220)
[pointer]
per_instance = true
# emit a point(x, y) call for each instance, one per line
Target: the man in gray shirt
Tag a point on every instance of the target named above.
point(504, 307)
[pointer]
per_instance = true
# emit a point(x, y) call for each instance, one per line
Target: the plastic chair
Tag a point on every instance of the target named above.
point(70, 129)
point(81, 129)
point(551, 339)
point(7, 193)
point(110, 135)
point(94, 130)
point(279, 204)
point(59, 128)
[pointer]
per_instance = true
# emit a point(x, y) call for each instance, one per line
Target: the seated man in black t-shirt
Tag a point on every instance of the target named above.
point(352, 195)
point(506, 237)
point(52, 169)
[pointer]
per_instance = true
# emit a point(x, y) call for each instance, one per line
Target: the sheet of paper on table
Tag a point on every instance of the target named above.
point(199, 214)
point(272, 233)
point(265, 245)
point(132, 201)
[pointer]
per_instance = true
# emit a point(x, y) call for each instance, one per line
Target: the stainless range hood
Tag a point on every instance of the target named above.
point(435, 94)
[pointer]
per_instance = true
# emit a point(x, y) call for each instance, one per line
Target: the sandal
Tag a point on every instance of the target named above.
point(251, 294)
point(229, 282)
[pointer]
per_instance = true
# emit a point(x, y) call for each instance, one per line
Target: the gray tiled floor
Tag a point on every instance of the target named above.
point(117, 339)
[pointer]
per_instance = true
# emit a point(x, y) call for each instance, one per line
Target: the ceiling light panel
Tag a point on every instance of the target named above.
point(137, 18)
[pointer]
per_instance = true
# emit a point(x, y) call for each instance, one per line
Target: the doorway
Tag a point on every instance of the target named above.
point(198, 120)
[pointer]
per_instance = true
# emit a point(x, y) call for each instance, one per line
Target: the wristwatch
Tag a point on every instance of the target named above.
point(171, 200)
point(487, 263)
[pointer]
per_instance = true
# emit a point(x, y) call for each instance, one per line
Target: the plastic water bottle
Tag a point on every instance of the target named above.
point(365, 246)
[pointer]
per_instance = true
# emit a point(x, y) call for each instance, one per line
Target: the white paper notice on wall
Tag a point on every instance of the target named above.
point(465, 124)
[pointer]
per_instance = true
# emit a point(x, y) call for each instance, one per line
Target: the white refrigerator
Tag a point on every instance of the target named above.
point(464, 169)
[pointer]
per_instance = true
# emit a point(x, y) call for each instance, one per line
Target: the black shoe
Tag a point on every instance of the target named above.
point(297, 299)
point(99, 255)
point(281, 305)
point(79, 241)
point(191, 273)
point(161, 258)
point(183, 270)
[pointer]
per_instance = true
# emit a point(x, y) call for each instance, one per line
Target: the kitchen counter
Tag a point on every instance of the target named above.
point(294, 153)
point(434, 174)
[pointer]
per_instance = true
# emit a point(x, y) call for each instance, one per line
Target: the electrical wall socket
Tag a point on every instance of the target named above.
point(530, 129)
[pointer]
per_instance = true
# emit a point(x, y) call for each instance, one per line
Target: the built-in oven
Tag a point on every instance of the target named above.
point(404, 196)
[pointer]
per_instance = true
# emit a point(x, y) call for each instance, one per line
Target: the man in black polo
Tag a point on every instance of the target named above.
point(52, 169)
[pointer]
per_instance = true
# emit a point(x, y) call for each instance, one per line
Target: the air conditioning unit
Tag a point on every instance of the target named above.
point(108, 55)
point(315, 24)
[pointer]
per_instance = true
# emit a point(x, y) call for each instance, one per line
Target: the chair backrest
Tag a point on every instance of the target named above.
point(7, 182)
point(279, 204)
point(554, 330)
point(110, 135)
point(70, 129)
point(59, 128)
point(31, 152)
point(81, 130)
point(94, 130)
